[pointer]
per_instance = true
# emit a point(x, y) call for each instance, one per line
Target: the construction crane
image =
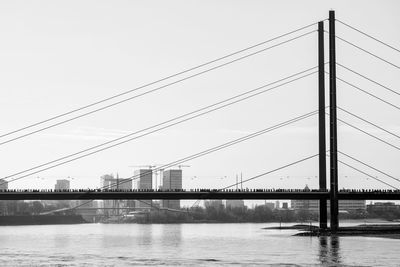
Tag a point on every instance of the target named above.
point(146, 166)
point(180, 166)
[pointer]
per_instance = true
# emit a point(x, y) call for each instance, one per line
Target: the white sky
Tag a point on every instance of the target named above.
point(59, 55)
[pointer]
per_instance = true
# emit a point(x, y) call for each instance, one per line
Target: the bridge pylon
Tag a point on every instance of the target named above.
point(334, 203)
point(323, 216)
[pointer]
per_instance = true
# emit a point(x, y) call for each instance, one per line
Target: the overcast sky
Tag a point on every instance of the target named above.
point(56, 56)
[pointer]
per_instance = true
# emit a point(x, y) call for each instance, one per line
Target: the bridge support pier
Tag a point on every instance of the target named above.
point(323, 217)
point(333, 126)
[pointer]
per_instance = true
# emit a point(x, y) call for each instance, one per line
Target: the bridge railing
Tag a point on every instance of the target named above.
point(250, 190)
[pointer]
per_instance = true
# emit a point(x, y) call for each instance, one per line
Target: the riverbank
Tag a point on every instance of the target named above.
point(386, 230)
point(378, 230)
point(40, 219)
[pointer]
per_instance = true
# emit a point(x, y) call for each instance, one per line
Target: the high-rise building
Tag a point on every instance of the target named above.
point(62, 185)
point(3, 184)
point(172, 179)
point(143, 180)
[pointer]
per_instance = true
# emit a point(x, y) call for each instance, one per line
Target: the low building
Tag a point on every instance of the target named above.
point(305, 204)
point(313, 205)
point(382, 207)
point(344, 205)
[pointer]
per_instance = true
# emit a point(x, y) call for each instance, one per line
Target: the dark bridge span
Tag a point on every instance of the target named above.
point(195, 195)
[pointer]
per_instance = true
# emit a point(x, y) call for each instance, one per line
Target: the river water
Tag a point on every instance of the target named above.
point(186, 244)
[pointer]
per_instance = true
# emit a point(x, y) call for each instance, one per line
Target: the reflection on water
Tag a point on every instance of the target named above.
point(329, 250)
point(335, 249)
point(323, 250)
point(145, 235)
point(186, 244)
point(171, 235)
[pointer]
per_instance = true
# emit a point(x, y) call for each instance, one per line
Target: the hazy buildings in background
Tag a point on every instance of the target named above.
point(213, 203)
point(62, 184)
point(171, 180)
point(87, 209)
point(383, 207)
point(235, 203)
point(270, 205)
point(143, 180)
point(107, 181)
point(5, 205)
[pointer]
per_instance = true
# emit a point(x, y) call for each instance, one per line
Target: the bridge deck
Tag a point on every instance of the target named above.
point(193, 195)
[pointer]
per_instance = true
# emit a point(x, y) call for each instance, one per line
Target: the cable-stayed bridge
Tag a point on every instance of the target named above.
point(333, 194)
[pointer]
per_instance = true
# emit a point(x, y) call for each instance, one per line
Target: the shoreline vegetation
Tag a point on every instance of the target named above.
point(23, 213)
point(258, 214)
